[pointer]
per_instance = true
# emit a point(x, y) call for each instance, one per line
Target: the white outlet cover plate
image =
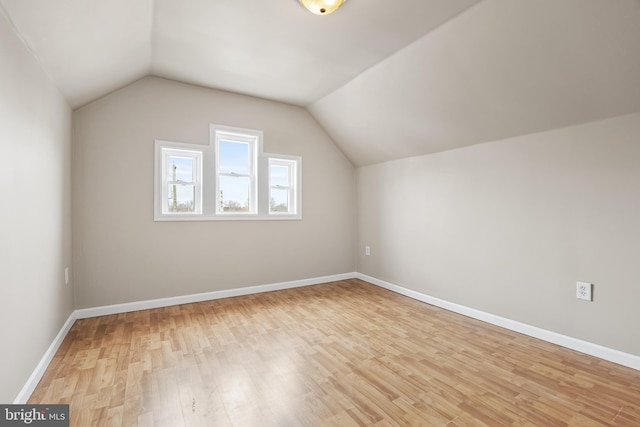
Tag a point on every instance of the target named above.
point(583, 291)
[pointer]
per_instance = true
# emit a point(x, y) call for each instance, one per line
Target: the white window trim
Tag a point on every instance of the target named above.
point(295, 196)
point(164, 149)
point(254, 141)
point(209, 187)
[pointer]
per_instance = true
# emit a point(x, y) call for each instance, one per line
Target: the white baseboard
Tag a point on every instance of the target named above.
point(615, 356)
point(207, 296)
point(84, 313)
point(37, 374)
point(605, 353)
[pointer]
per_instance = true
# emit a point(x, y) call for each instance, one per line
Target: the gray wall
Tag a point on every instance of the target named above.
point(509, 226)
point(122, 255)
point(35, 228)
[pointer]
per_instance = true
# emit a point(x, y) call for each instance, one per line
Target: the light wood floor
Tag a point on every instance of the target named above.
point(345, 353)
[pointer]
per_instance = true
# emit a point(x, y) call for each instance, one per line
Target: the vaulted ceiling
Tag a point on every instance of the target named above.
point(385, 79)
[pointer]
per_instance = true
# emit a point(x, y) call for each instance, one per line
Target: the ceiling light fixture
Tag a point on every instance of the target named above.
point(322, 7)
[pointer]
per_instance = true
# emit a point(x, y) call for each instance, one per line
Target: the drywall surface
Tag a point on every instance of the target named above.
point(508, 227)
point(497, 70)
point(124, 256)
point(35, 224)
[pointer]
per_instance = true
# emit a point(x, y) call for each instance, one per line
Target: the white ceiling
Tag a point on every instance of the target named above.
point(500, 69)
point(89, 47)
point(272, 49)
point(385, 79)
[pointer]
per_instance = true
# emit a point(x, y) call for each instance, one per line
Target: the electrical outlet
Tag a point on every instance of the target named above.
point(367, 250)
point(583, 291)
point(66, 275)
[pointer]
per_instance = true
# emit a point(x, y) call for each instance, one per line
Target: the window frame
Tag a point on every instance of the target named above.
point(163, 151)
point(208, 179)
point(293, 164)
point(253, 140)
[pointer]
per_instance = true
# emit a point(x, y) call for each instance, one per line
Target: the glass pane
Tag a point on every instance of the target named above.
point(234, 157)
point(279, 201)
point(181, 198)
point(279, 175)
point(234, 194)
point(181, 169)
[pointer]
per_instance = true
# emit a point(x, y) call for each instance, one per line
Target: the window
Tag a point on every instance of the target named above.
point(181, 181)
point(236, 173)
point(228, 179)
point(282, 186)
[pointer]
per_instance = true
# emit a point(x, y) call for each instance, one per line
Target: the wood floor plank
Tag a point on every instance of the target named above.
point(345, 353)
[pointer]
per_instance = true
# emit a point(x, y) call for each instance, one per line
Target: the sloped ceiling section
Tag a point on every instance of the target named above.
point(88, 47)
point(270, 49)
point(386, 80)
point(278, 50)
point(500, 69)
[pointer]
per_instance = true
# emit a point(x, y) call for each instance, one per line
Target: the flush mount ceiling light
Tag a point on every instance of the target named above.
point(322, 7)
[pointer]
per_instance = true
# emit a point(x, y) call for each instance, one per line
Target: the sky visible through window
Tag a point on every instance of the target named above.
point(234, 159)
point(185, 193)
point(279, 176)
point(234, 190)
point(184, 168)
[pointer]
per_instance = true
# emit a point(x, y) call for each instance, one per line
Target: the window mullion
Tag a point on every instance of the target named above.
point(250, 179)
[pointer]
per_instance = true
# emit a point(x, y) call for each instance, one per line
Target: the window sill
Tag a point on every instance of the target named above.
point(178, 217)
